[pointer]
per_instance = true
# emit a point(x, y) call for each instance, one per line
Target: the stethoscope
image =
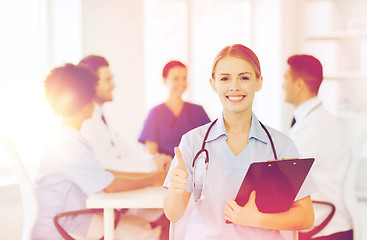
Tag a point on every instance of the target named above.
point(205, 151)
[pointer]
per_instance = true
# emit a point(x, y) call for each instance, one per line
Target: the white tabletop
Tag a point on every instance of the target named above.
point(150, 197)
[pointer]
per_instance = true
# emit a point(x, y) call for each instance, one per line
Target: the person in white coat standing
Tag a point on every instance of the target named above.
point(317, 133)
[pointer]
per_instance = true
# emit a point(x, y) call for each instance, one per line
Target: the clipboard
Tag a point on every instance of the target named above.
point(276, 182)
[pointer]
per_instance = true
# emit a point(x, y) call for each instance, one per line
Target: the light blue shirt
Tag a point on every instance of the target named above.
point(68, 174)
point(205, 219)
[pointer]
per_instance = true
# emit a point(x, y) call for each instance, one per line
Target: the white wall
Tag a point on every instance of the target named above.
point(290, 34)
point(20, 74)
point(266, 41)
point(62, 33)
point(114, 29)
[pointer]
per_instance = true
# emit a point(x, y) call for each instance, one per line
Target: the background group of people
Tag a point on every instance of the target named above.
point(85, 155)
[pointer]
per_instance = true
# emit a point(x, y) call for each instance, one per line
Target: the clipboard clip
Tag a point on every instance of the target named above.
point(275, 160)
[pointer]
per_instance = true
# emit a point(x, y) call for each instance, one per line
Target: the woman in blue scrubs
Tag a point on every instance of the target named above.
point(167, 122)
point(200, 198)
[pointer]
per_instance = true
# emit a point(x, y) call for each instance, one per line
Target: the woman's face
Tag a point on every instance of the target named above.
point(235, 82)
point(176, 80)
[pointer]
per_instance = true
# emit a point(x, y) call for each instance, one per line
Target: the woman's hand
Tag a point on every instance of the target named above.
point(299, 217)
point(178, 176)
point(248, 215)
point(177, 198)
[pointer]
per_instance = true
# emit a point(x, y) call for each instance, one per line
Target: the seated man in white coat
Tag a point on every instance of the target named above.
point(318, 134)
point(111, 150)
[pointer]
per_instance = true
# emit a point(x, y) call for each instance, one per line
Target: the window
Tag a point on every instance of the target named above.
point(191, 31)
point(26, 116)
point(20, 80)
point(165, 31)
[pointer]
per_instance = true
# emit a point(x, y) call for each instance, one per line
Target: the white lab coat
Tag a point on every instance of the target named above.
point(318, 134)
point(115, 154)
point(110, 148)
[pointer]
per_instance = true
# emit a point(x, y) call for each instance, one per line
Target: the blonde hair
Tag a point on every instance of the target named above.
point(239, 51)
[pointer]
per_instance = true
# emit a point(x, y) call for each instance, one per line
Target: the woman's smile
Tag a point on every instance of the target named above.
point(235, 98)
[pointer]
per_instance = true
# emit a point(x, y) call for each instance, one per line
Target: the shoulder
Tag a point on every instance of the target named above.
point(156, 111)
point(284, 145)
point(278, 136)
point(191, 141)
point(194, 107)
point(320, 120)
point(157, 108)
point(197, 134)
point(324, 115)
point(65, 143)
point(197, 113)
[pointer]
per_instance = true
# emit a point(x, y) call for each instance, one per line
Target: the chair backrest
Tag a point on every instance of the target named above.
point(29, 200)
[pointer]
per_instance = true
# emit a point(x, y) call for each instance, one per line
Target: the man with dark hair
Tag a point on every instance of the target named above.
point(318, 134)
point(109, 147)
point(69, 171)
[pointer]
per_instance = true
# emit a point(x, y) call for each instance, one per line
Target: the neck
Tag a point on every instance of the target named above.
point(237, 122)
point(303, 98)
point(99, 103)
point(175, 103)
point(72, 122)
point(174, 99)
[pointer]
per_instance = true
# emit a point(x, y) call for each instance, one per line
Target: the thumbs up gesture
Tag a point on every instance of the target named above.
point(178, 176)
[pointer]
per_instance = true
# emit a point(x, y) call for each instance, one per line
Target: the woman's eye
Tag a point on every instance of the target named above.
point(224, 79)
point(244, 78)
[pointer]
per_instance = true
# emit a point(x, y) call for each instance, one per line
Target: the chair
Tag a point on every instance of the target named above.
point(316, 229)
point(29, 200)
point(67, 236)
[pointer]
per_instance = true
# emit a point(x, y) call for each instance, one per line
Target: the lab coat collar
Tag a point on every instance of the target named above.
point(217, 130)
point(97, 111)
point(256, 131)
point(303, 110)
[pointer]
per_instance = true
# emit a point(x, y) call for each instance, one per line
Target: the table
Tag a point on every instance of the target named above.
point(150, 197)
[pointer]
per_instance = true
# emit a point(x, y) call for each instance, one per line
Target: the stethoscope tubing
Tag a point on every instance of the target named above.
point(204, 150)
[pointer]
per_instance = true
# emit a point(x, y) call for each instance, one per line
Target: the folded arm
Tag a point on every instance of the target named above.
point(299, 217)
